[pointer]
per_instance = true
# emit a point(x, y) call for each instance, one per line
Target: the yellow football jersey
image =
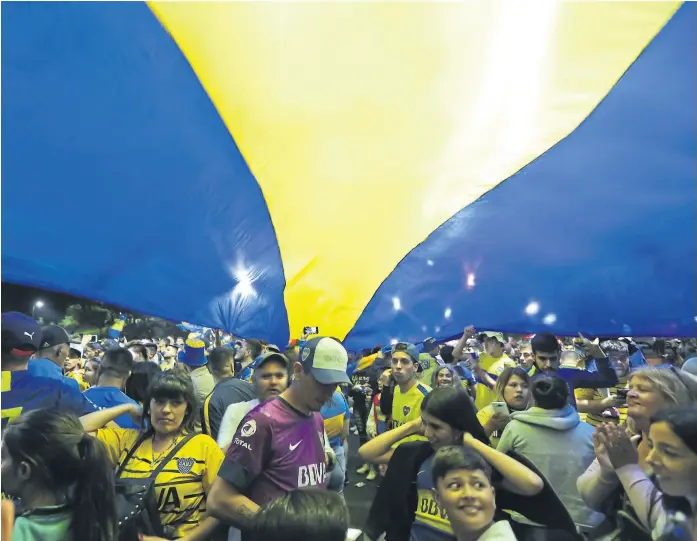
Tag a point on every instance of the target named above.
point(77, 375)
point(595, 419)
point(430, 520)
point(584, 394)
point(182, 486)
point(493, 366)
point(406, 407)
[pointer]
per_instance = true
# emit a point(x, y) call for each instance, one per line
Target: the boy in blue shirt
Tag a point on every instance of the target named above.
point(111, 379)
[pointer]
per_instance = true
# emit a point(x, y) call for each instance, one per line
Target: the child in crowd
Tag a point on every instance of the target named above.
point(462, 481)
point(62, 477)
point(301, 515)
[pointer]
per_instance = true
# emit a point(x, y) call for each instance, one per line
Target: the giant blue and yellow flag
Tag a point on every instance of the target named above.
point(384, 171)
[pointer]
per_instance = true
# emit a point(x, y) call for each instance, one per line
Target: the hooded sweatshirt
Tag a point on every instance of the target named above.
point(561, 446)
point(498, 531)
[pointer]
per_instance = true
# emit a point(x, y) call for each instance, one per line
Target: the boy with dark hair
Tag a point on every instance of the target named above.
point(462, 481)
point(107, 392)
point(228, 390)
point(546, 351)
point(245, 356)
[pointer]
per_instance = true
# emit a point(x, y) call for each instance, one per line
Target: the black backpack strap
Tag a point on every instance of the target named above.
point(171, 454)
point(163, 462)
point(130, 454)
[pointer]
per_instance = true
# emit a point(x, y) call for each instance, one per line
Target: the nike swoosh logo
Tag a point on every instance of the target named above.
point(294, 447)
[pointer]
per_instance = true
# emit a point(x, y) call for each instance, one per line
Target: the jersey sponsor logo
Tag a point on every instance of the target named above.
point(406, 410)
point(312, 475)
point(293, 447)
point(249, 428)
point(429, 506)
point(428, 512)
point(184, 465)
point(241, 443)
point(168, 497)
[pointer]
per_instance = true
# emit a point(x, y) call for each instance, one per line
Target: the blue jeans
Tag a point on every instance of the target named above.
point(337, 475)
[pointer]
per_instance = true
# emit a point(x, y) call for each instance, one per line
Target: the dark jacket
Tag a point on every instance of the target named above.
point(586, 379)
point(394, 506)
point(368, 376)
point(226, 392)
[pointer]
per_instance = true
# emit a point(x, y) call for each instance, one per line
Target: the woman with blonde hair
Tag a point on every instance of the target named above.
point(621, 454)
point(446, 376)
point(513, 389)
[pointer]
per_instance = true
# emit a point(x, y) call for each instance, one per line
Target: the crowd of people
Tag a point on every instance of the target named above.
point(487, 438)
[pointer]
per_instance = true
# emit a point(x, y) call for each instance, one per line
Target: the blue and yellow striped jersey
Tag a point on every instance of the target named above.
point(182, 486)
point(335, 413)
point(23, 391)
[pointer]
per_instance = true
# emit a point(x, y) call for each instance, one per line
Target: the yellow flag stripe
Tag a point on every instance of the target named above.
point(367, 125)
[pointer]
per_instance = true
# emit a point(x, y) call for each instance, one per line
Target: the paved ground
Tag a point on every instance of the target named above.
point(358, 499)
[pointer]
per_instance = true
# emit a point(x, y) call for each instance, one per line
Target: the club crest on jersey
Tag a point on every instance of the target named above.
point(406, 410)
point(249, 428)
point(184, 465)
point(306, 354)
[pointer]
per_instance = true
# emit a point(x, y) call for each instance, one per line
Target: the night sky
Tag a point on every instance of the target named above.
point(21, 299)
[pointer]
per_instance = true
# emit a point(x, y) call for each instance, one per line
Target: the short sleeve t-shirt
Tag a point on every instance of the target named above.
point(430, 522)
point(277, 449)
point(23, 391)
point(49, 369)
point(483, 416)
point(335, 413)
point(232, 419)
point(182, 485)
point(49, 524)
point(108, 397)
point(428, 366)
point(247, 372)
point(493, 366)
point(619, 415)
point(226, 392)
point(78, 375)
point(406, 407)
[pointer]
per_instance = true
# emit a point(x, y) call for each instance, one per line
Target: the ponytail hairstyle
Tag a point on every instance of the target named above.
point(64, 460)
